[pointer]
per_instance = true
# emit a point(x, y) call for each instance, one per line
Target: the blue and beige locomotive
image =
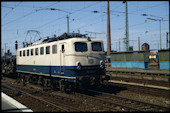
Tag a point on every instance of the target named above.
point(69, 61)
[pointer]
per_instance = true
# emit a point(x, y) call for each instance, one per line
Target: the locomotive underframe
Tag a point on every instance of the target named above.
point(62, 84)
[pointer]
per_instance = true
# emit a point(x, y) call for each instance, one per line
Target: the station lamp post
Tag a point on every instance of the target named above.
point(160, 27)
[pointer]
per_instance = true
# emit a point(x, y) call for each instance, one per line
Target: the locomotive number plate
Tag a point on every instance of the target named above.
point(90, 61)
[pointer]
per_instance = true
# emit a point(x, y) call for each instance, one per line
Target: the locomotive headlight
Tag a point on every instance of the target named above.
point(78, 66)
point(102, 64)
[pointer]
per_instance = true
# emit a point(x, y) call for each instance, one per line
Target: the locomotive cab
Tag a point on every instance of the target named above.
point(87, 56)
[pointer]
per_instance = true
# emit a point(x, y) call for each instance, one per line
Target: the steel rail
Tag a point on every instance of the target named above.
point(130, 99)
point(144, 88)
point(102, 102)
point(138, 71)
point(124, 107)
point(20, 91)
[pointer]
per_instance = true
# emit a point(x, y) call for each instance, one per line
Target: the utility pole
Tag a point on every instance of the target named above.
point(159, 26)
point(67, 24)
point(126, 39)
point(116, 46)
point(119, 44)
point(108, 30)
point(160, 35)
point(2, 52)
point(5, 51)
point(139, 43)
point(158, 45)
point(5, 46)
point(166, 40)
point(16, 45)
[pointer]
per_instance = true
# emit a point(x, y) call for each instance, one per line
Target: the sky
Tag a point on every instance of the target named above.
point(18, 17)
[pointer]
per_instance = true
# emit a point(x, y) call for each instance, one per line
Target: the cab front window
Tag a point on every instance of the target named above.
point(96, 46)
point(80, 46)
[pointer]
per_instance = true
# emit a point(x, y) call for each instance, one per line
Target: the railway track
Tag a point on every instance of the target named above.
point(100, 101)
point(90, 100)
point(129, 104)
point(89, 104)
point(144, 89)
point(146, 77)
point(156, 75)
point(49, 96)
point(58, 106)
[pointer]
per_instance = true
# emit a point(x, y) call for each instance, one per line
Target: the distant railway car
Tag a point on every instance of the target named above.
point(8, 65)
point(64, 62)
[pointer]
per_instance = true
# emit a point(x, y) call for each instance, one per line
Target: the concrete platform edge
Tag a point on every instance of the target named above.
point(122, 82)
point(16, 103)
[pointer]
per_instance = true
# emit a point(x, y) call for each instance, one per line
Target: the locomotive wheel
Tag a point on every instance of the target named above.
point(41, 81)
point(23, 79)
point(69, 88)
point(62, 85)
point(65, 86)
point(30, 78)
point(46, 82)
point(35, 79)
point(26, 79)
point(53, 84)
point(18, 80)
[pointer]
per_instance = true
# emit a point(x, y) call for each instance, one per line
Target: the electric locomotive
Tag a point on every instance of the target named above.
point(69, 61)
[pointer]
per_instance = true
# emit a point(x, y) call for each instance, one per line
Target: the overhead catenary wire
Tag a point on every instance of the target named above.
point(11, 6)
point(52, 21)
point(11, 10)
point(122, 15)
point(20, 18)
point(34, 11)
point(81, 17)
point(76, 10)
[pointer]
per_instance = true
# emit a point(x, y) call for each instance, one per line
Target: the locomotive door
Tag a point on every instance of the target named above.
point(62, 59)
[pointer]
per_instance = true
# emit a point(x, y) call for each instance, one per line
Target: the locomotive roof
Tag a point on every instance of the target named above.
point(63, 37)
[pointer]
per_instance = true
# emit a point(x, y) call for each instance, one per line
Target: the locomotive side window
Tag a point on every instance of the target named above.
point(80, 46)
point(20, 53)
point(41, 50)
point(24, 53)
point(62, 48)
point(48, 50)
point(32, 52)
point(28, 52)
point(54, 47)
point(36, 51)
point(96, 46)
